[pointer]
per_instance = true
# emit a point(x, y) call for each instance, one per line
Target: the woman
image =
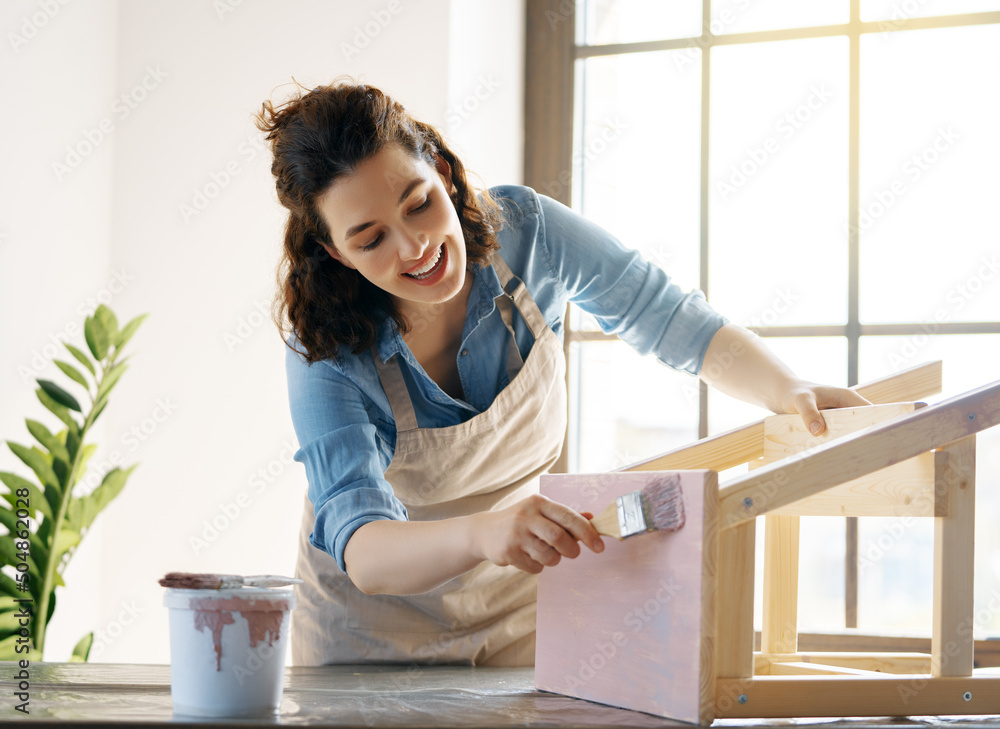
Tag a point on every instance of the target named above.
point(426, 380)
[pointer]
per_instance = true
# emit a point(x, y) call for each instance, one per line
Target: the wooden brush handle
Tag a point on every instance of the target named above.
point(606, 522)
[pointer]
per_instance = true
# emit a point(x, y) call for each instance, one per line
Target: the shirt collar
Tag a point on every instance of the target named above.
point(485, 288)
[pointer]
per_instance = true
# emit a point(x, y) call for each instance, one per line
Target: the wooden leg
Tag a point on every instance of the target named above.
point(779, 632)
point(734, 602)
point(955, 482)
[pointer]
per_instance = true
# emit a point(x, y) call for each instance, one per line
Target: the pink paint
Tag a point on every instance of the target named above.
point(263, 616)
point(623, 627)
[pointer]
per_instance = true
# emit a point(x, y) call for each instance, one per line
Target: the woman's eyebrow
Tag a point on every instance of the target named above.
point(402, 198)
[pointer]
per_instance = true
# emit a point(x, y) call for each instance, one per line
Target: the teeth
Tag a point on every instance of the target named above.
point(430, 265)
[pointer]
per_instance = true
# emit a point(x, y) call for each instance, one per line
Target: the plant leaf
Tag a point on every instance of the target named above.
point(81, 358)
point(97, 338)
point(36, 461)
point(81, 652)
point(73, 373)
point(88, 450)
point(9, 586)
point(60, 411)
point(59, 395)
point(38, 551)
point(65, 541)
point(43, 436)
point(9, 555)
point(109, 323)
point(36, 499)
point(110, 378)
point(80, 512)
point(128, 330)
point(101, 404)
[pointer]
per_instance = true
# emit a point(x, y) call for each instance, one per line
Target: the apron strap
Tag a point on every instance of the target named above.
point(391, 377)
point(518, 293)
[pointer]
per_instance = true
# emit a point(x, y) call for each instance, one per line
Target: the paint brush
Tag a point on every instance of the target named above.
point(657, 507)
point(198, 581)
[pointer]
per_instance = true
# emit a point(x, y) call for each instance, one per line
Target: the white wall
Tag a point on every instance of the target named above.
point(203, 407)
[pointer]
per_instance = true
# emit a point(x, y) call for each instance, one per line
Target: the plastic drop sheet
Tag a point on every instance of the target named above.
point(118, 695)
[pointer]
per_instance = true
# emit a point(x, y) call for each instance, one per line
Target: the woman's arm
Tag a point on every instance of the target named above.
point(738, 363)
point(410, 557)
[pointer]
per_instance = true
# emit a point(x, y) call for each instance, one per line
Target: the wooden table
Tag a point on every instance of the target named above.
point(123, 695)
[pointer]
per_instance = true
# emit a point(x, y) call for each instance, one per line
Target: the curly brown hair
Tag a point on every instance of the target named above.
point(316, 138)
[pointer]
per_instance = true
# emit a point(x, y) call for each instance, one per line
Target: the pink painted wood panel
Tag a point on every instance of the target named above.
point(624, 627)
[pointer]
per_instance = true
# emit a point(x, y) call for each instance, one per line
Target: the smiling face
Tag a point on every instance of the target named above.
point(394, 223)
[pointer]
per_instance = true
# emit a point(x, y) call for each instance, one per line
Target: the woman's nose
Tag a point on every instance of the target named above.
point(414, 246)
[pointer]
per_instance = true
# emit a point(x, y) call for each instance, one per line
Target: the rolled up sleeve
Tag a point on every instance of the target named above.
point(626, 294)
point(338, 447)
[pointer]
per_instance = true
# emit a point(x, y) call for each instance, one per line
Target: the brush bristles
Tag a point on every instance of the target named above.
point(663, 504)
point(191, 581)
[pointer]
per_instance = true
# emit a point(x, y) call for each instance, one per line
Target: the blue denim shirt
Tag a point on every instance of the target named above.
point(341, 415)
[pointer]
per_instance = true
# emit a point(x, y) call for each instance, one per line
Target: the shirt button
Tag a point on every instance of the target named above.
point(465, 352)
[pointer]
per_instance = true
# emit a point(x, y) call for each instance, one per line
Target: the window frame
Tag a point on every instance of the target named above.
point(551, 56)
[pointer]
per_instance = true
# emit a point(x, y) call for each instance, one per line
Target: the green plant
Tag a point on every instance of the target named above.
point(45, 521)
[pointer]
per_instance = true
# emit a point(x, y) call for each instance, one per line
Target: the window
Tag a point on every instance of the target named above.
point(825, 172)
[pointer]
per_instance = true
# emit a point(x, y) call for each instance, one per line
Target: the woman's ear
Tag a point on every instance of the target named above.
point(444, 169)
point(335, 255)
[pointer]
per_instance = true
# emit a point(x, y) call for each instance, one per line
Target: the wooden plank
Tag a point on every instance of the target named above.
point(905, 489)
point(734, 619)
point(744, 444)
point(631, 627)
point(808, 696)
point(987, 651)
point(858, 454)
point(709, 596)
point(951, 641)
point(796, 668)
point(882, 662)
point(781, 584)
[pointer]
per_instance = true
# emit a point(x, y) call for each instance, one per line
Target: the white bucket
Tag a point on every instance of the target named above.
point(227, 650)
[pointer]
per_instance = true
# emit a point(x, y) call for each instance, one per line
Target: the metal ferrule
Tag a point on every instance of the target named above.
point(630, 517)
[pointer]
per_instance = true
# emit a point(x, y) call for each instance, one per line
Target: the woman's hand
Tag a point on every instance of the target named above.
point(533, 534)
point(739, 364)
point(808, 398)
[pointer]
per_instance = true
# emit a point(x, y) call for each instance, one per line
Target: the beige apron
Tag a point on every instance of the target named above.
point(487, 615)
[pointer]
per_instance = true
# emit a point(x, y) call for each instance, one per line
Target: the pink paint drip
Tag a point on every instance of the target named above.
point(263, 616)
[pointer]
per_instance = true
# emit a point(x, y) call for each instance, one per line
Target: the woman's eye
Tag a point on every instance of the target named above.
point(374, 244)
point(426, 204)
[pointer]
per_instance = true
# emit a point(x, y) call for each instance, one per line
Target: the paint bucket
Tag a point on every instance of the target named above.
point(227, 650)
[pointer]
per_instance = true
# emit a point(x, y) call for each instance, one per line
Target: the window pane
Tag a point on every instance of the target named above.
point(636, 158)
point(929, 190)
point(896, 10)
point(744, 16)
point(889, 545)
point(631, 21)
point(629, 407)
point(778, 177)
